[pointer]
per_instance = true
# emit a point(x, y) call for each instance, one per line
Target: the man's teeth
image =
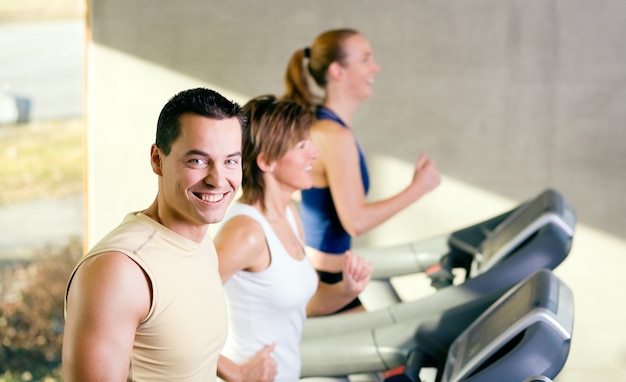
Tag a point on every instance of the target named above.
point(211, 198)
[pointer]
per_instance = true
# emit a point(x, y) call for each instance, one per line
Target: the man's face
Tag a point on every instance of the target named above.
point(201, 175)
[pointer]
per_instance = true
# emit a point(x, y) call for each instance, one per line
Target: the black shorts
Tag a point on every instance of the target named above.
point(334, 278)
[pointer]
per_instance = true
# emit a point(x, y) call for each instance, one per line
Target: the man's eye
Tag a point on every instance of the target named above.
point(232, 162)
point(197, 162)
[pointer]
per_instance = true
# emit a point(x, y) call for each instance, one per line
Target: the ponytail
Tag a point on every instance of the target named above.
point(296, 80)
point(314, 61)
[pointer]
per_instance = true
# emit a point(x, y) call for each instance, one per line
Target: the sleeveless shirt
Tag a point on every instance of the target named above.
point(322, 228)
point(269, 306)
point(185, 330)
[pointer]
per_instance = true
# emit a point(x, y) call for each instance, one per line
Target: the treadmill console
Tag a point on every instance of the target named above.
point(529, 324)
point(549, 207)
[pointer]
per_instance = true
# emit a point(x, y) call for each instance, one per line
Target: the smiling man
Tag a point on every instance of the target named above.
point(146, 302)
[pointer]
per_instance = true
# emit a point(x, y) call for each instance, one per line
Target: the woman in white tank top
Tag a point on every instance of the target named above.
point(270, 284)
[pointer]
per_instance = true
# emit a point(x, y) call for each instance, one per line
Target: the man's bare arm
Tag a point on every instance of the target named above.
point(108, 298)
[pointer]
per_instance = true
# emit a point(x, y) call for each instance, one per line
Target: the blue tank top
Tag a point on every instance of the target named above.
point(322, 229)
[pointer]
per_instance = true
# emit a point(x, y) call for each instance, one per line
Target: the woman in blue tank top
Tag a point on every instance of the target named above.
point(335, 209)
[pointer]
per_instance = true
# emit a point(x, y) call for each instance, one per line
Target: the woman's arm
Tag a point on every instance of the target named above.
point(241, 246)
point(340, 170)
point(330, 297)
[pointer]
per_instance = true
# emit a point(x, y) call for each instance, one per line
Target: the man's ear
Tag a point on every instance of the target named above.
point(156, 160)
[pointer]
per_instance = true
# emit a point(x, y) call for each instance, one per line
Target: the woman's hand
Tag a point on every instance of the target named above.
point(261, 367)
point(356, 273)
point(426, 176)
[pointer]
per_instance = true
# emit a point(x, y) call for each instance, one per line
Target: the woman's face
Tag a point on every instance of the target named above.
point(294, 169)
point(359, 66)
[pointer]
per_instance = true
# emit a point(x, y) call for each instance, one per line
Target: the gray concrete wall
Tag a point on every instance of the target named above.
point(509, 97)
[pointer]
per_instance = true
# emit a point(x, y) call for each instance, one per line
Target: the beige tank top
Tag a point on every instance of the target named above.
point(183, 335)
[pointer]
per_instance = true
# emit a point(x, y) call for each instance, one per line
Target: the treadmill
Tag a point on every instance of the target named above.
point(524, 336)
point(474, 249)
point(380, 340)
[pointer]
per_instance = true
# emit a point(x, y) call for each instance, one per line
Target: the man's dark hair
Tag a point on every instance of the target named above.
point(200, 101)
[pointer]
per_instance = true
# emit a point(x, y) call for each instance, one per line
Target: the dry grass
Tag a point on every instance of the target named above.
point(41, 159)
point(31, 314)
point(38, 159)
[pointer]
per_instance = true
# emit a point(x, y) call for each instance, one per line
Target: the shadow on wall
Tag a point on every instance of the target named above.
point(516, 107)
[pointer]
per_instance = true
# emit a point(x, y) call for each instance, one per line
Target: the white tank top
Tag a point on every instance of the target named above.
point(269, 306)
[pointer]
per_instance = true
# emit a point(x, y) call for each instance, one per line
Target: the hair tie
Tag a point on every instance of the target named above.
point(307, 52)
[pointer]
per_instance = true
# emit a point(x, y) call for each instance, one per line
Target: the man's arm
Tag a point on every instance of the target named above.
point(109, 296)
